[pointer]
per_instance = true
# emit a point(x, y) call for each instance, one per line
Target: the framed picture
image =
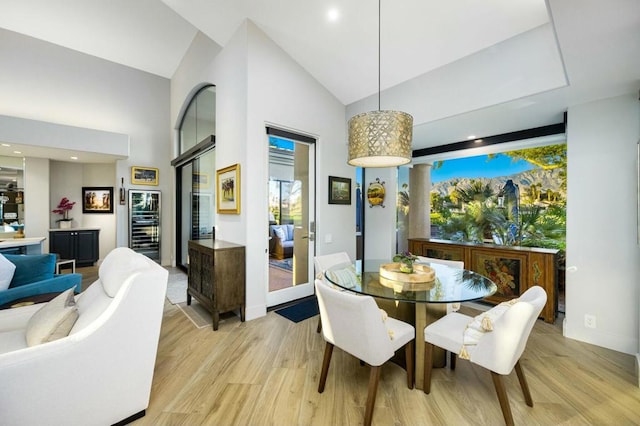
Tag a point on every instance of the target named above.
point(201, 180)
point(97, 199)
point(228, 189)
point(144, 175)
point(339, 190)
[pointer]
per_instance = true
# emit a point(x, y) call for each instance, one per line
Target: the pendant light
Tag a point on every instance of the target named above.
point(380, 138)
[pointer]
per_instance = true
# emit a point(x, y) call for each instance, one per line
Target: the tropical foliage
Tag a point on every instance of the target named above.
point(476, 211)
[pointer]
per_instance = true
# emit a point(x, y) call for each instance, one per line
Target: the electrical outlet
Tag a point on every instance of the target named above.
point(590, 321)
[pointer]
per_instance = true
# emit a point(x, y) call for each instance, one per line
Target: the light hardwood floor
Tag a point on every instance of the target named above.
point(265, 372)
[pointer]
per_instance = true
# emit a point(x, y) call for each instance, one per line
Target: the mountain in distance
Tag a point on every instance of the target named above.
point(549, 179)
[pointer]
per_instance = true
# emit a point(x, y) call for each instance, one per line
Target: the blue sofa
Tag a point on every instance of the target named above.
point(34, 275)
point(281, 243)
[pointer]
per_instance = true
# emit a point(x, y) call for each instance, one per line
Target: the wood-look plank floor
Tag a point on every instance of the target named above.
point(265, 372)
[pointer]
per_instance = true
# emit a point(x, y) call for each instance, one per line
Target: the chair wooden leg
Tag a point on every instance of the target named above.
point(319, 328)
point(452, 360)
point(328, 350)
point(523, 384)
point(374, 378)
point(502, 397)
point(408, 354)
point(428, 366)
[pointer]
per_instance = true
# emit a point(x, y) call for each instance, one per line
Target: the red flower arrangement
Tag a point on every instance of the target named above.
point(63, 208)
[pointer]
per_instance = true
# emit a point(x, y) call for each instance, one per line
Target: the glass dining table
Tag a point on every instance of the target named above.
point(416, 302)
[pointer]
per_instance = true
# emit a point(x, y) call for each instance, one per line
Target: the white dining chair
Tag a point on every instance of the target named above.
point(324, 262)
point(494, 340)
point(354, 324)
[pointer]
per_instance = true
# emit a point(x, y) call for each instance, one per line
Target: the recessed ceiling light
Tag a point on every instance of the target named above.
point(73, 157)
point(333, 14)
point(478, 141)
point(5, 144)
point(17, 152)
point(471, 137)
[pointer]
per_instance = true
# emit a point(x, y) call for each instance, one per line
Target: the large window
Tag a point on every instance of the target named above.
point(199, 121)
point(195, 173)
point(510, 198)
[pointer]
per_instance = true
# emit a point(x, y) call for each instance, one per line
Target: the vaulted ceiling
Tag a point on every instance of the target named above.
point(460, 67)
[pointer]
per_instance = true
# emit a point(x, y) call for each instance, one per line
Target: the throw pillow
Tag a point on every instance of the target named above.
point(481, 324)
point(31, 268)
point(53, 321)
point(279, 232)
point(6, 272)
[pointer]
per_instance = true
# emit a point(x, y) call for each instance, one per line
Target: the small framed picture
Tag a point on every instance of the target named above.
point(144, 175)
point(97, 199)
point(228, 189)
point(201, 180)
point(339, 190)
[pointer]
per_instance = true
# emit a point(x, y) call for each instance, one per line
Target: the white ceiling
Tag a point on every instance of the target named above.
point(591, 50)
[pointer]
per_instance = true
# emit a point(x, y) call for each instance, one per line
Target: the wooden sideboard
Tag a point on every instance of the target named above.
point(216, 276)
point(513, 269)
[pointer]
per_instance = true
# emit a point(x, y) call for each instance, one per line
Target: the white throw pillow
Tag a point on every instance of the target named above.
point(53, 321)
point(7, 268)
point(279, 233)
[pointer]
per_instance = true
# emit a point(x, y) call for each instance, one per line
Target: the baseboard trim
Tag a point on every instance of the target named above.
point(638, 368)
point(132, 418)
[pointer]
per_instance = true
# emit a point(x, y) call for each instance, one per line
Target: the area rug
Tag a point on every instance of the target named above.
point(286, 264)
point(300, 311)
point(198, 315)
point(177, 288)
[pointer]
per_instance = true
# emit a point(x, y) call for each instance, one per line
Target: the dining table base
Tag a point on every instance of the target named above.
point(419, 315)
point(426, 313)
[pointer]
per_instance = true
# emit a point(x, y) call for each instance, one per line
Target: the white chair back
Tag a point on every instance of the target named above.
point(326, 261)
point(500, 349)
point(458, 264)
point(354, 324)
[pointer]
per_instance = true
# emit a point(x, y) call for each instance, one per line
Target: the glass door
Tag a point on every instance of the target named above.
point(291, 209)
point(196, 207)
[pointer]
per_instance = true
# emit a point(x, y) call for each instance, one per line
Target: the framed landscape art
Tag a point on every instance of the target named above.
point(339, 190)
point(97, 199)
point(144, 175)
point(228, 190)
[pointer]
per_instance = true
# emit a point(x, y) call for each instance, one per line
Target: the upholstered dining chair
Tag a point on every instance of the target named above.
point(494, 340)
point(355, 325)
point(451, 307)
point(324, 262)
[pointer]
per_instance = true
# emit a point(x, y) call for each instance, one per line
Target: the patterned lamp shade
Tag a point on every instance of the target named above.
point(380, 139)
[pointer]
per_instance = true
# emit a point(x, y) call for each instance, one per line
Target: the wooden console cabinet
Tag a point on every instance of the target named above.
point(216, 276)
point(513, 269)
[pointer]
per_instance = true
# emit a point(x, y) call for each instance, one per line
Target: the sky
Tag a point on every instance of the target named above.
point(479, 166)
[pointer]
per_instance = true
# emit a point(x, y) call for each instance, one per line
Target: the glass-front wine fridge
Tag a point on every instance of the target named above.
point(144, 223)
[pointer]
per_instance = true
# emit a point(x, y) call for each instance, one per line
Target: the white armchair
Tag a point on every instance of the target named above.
point(324, 262)
point(494, 340)
point(355, 325)
point(100, 373)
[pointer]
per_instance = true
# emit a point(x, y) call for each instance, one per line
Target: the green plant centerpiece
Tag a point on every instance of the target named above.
point(406, 260)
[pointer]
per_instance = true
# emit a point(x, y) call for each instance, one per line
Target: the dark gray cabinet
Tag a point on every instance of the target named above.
point(83, 245)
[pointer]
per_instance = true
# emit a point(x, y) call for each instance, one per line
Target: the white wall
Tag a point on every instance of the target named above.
point(380, 222)
point(66, 180)
point(258, 84)
point(36, 200)
point(601, 223)
point(46, 82)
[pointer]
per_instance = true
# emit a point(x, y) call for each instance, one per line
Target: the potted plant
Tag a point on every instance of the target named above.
point(64, 206)
point(406, 260)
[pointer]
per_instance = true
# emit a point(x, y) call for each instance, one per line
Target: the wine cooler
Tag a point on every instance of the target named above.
point(144, 223)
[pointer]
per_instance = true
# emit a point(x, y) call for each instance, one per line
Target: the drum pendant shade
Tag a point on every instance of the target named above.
point(380, 139)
